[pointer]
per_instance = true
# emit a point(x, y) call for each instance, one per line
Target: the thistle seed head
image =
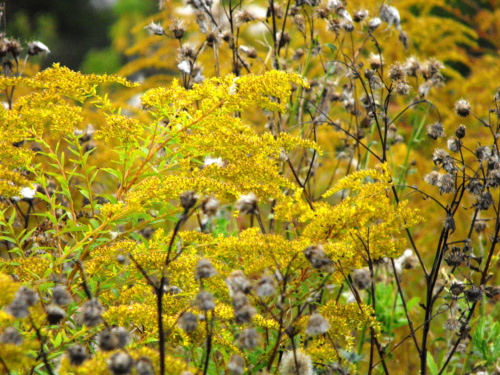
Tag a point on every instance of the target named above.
point(204, 269)
point(265, 287)
point(10, 335)
point(54, 314)
point(462, 108)
point(317, 325)
point(302, 367)
point(236, 365)
point(436, 130)
point(188, 322)
point(60, 296)
point(76, 354)
point(120, 363)
point(144, 366)
point(247, 339)
point(204, 301)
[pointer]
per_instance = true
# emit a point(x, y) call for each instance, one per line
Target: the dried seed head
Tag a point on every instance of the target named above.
point(204, 269)
point(402, 88)
point(454, 144)
point(243, 16)
point(436, 130)
point(323, 11)
point(238, 282)
point(298, 363)
point(474, 294)
point(24, 299)
point(11, 336)
point(247, 204)
point(460, 132)
point(144, 366)
point(60, 296)
point(121, 259)
point(13, 47)
point(90, 312)
point(432, 178)
point(317, 325)
point(251, 52)
point(76, 355)
point(485, 201)
point(397, 71)
point(361, 279)
point(178, 28)
point(360, 15)
point(107, 340)
point(315, 254)
point(54, 314)
point(265, 287)
point(483, 152)
point(403, 38)
point(188, 322)
point(455, 258)
point(243, 310)
point(247, 339)
point(449, 223)
point(475, 187)
point(375, 83)
point(121, 363)
point(412, 66)
point(188, 199)
point(172, 290)
point(204, 301)
point(462, 107)
point(236, 365)
point(36, 48)
point(155, 28)
point(390, 15)
point(374, 23)
point(456, 288)
point(122, 335)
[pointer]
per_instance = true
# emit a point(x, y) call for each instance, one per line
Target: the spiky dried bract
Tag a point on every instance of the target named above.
point(462, 108)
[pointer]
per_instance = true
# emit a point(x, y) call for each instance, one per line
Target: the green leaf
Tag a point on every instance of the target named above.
point(432, 365)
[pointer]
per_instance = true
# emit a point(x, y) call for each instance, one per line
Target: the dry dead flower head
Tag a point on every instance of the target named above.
point(247, 204)
point(360, 15)
point(155, 28)
point(76, 354)
point(474, 294)
point(454, 144)
point(243, 16)
point(436, 130)
point(315, 254)
point(188, 322)
point(178, 28)
point(90, 313)
point(402, 88)
point(247, 339)
point(210, 206)
point(485, 201)
point(462, 108)
point(374, 23)
point(120, 363)
point(317, 325)
point(144, 366)
point(236, 364)
point(54, 314)
point(265, 287)
point(412, 66)
point(10, 335)
point(238, 282)
point(296, 363)
point(37, 48)
point(361, 279)
point(397, 71)
point(204, 269)
point(204, 301)
point(188, 200)
point(432, 178)
point(456, 288)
